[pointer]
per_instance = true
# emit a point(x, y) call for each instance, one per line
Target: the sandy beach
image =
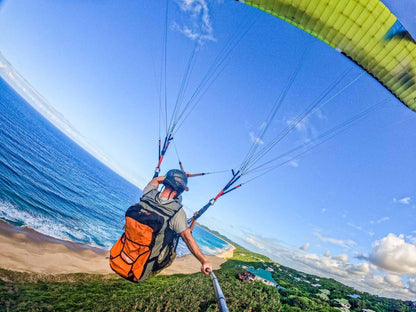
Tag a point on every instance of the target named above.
point(25, 250)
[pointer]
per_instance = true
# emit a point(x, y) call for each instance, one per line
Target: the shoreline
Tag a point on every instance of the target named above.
point(26, 250)
point(38, 237)
point(227, 254)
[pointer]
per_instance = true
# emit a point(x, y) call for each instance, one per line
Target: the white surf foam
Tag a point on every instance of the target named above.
point(13, 214)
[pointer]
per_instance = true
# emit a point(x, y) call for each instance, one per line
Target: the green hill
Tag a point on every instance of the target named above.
point(194, 292)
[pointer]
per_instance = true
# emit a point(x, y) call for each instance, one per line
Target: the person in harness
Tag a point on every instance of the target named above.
point(153, 227)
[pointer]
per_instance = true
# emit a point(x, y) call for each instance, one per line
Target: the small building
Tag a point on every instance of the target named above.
point(342, 303)
point(316, 285)
point(325, 291)
point(263, 276)
point(269, 269)
point(354, 296)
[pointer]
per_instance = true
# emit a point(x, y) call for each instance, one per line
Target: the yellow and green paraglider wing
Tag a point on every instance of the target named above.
point(363, 30)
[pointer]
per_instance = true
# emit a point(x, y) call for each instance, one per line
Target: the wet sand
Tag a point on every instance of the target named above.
point(25, 250)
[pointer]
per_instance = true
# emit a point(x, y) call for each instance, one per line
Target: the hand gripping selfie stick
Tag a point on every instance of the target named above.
point(222, 305)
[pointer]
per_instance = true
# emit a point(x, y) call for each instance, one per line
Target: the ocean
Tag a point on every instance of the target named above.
point(52, 185)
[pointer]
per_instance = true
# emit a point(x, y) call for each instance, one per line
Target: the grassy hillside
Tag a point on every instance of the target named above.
point(83, 292)
point(76, 292)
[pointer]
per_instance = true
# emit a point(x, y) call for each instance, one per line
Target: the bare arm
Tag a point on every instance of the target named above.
point(191, 227)
point(156, 181)
point(193, 247)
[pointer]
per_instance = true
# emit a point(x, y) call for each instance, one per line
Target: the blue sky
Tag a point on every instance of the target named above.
point(345, 210)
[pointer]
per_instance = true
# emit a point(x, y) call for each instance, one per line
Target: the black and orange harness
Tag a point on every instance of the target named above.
point(148, 243)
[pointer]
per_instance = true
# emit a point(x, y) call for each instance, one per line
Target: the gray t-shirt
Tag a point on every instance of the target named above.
point(178, 223)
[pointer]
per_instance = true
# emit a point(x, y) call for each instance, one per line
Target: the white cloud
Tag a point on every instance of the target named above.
point(384, 219)
point(343, 243)
point(394, 280)
point(2, 65)
point(329, 265)
point(393, 254)
point(404, 200)
point(255, 140)
point(359, 269)
point(363, 276)
point(251, 239)
point(374, 281)
point(323, 210)
point(342, 258)
point(311, 256)
point(305, 127)
point(305, 246)
point(327, 253)
point(301, 126)
point(198, 25)
point(185, 30)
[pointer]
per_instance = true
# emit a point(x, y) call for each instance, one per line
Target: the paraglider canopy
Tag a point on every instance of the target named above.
point(364, 31)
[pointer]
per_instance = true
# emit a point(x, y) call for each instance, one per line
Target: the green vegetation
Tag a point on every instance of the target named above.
point(296, 284)
point(194, 292)
point(83, 292)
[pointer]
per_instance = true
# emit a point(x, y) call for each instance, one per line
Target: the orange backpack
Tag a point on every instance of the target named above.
point(148, 244)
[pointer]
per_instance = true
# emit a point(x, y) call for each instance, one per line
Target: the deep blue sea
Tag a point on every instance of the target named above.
point(50, 184)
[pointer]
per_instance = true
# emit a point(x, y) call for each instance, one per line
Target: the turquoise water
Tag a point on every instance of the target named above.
point(49, 183)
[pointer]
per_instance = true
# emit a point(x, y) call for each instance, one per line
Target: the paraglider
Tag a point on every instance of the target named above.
point(365, 32)
point(401, 82)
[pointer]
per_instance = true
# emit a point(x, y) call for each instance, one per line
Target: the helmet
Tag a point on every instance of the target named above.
point(176, 180)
